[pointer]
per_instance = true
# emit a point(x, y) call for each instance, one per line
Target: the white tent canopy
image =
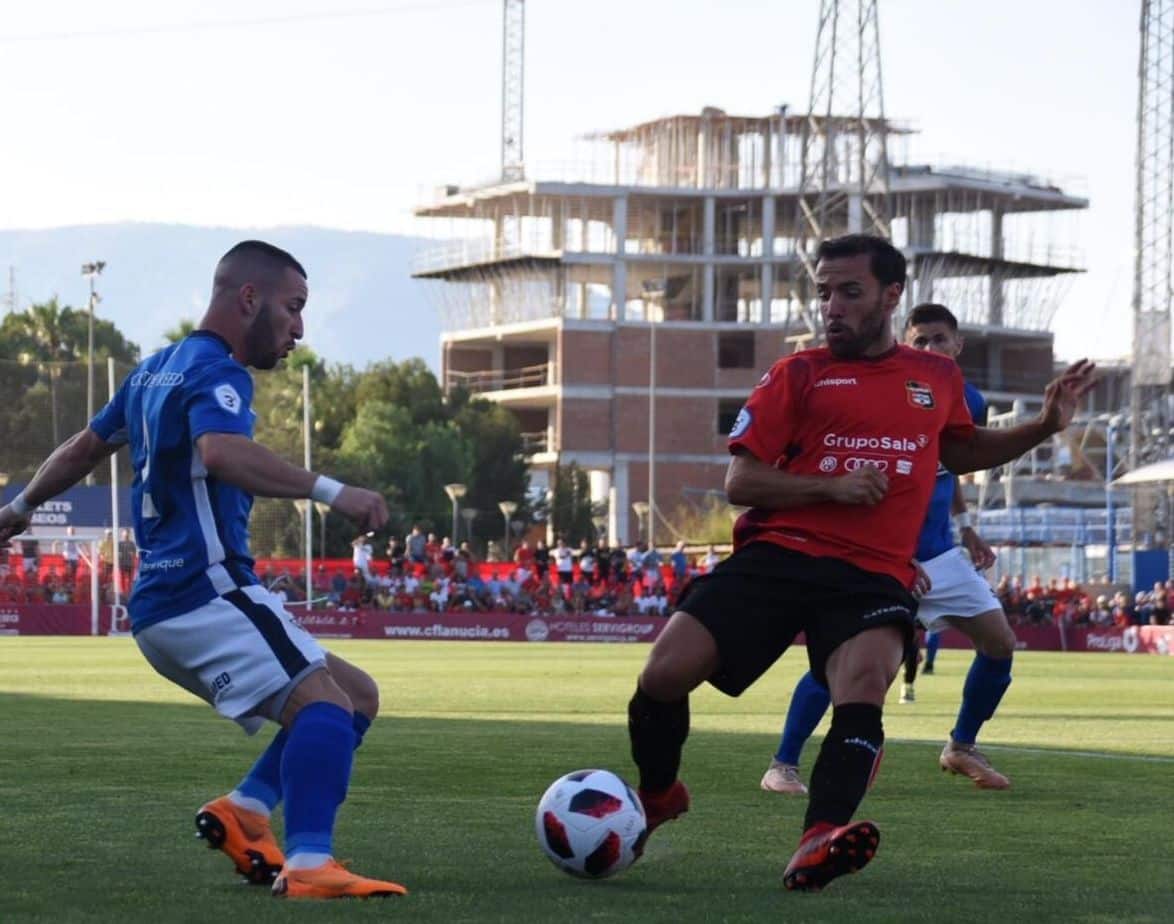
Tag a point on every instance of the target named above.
point(1148, 474)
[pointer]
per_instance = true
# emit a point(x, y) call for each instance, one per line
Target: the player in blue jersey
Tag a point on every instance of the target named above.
point(958, 596)
point(198, 612)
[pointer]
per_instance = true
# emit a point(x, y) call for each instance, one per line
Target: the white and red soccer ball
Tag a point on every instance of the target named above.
point(591, 824)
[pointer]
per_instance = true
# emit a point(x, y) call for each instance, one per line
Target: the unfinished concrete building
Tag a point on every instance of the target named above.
point(664, 263)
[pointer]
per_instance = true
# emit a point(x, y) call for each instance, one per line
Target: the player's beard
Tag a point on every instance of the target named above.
point(869, 331)
point(259, 345)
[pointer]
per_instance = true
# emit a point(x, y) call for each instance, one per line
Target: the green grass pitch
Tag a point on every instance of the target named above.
point(102, 765)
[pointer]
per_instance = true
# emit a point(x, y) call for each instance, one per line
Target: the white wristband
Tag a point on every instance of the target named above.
point(963, 520)
point(325, 490)
point(19, 505)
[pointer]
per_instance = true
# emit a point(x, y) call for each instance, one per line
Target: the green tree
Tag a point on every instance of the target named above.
point(181, 330)
point(498, 470)
point(710, 521)
point(45, 348)
point(409, 384)
point(571, 510)
point(277, 528)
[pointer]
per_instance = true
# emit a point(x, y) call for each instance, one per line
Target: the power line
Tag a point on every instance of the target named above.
point(213, 24)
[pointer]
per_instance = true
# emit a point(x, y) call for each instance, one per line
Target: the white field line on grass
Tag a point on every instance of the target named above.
point(1058, 752)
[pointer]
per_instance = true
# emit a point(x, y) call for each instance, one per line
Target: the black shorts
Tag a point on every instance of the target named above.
point(756, 601)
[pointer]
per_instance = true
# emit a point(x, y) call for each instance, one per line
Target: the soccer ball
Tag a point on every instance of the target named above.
point(590, 824)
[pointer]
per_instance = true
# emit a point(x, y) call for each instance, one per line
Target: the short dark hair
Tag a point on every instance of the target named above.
point(931, 313)
point(886, 262)
point(264, 256)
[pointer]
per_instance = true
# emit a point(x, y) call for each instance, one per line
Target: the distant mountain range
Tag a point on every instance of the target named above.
point(363, 304)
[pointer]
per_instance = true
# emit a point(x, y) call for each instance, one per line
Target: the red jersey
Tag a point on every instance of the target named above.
point(814, 414)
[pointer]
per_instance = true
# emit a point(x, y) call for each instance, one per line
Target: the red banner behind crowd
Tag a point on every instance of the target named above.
point(485, 627)
point(75, 619)
point(51, 619)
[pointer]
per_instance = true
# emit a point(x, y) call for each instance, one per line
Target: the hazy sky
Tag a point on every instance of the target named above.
point(308, 111)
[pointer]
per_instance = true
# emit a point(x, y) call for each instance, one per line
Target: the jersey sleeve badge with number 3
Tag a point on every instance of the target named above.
point(227, 398)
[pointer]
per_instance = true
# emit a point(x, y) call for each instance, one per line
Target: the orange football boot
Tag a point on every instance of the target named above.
point(245, 836)
point(332, 880)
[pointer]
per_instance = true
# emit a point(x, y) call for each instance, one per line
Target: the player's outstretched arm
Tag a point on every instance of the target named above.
point(240, 461)
point(752, 483)
point(68, 464)
point(986, 448)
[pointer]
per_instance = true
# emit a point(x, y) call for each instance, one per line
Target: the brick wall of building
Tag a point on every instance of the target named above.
point(683, 424)
point(585, 425)
point(585, 357)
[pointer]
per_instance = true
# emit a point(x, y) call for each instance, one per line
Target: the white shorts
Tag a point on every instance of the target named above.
point(237, 653)
point(958, 590)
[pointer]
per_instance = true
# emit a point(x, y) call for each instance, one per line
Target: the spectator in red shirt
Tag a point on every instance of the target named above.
point(524, 555)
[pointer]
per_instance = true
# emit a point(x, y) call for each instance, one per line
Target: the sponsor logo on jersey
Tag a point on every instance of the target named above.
point(855, 464)
point(166, 564)
point(828, 464)
point(904, 466)
point(920, 395)
point(826, 383)
point(884, 443)
point(220, 683)
point(227, 398)
point(156, 379)
point(764, 381)
point(741, 424)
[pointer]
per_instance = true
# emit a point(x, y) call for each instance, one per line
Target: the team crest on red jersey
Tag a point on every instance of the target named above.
point(920, 395)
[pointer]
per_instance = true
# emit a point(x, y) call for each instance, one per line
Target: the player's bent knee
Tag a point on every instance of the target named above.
point(682, 658)
point(863, 685)
point(1000, 647)
point(364, 694)
point(318, 687)
point(356, 683)
point(862, 669)
point(995, 638)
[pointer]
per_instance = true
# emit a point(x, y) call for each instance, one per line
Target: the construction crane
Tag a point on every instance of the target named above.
point(844, 164)
point(513, 74)
point(1153, 279)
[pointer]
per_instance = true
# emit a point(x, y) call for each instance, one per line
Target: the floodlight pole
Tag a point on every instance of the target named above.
point(91, 271)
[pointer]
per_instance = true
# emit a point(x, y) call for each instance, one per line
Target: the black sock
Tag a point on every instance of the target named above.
point(658, 732)
point(846, 763)
point(911, 665)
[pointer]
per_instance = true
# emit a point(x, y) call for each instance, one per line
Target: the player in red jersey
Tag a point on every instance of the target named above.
point(836, 454)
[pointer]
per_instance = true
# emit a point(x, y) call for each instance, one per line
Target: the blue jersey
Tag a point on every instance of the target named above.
point(191, 529)
point(936, 534)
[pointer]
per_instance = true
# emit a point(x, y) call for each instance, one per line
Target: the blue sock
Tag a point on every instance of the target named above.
point(315, 773)
point(808, 704)
point(360, 723)
point(986, 682)
point(263, 782)
point(932, 643)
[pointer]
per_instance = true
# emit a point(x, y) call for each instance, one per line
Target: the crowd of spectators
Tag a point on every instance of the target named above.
point(58, 571)
point(422, 572)
point(1065, 602)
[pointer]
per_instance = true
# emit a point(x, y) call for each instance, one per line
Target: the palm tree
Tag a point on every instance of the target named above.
point(45, 329)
